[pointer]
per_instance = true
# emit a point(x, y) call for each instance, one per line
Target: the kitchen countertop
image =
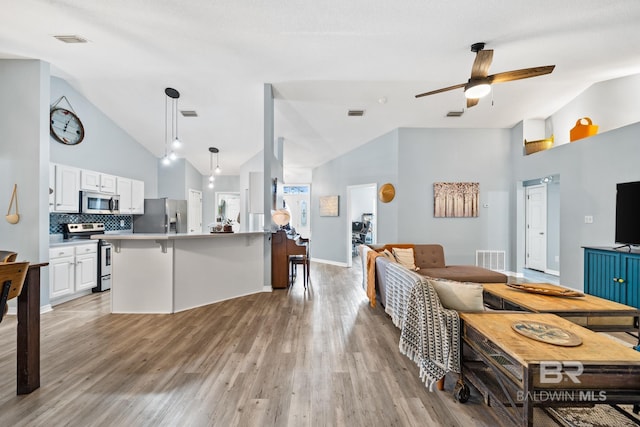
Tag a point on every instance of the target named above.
point(172, 236)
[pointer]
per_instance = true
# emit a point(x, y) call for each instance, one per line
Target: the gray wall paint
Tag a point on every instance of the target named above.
point(453, 155)
point(553, 224)
point(589, 168)
point(24, 160)
point(106, 147)
point(172, 179)
point(375, 162)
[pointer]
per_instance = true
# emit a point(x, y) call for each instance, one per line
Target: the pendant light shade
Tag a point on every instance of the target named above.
point(171, 126)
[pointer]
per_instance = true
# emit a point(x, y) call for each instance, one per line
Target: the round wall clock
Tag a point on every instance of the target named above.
point(66, 127)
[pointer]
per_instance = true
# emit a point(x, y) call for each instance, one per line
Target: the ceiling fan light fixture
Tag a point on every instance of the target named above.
point(475, 90)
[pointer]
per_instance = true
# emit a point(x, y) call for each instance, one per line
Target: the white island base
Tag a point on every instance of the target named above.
point(160, 273)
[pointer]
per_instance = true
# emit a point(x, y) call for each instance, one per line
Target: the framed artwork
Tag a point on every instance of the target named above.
point(329, 205)
point(455, 199)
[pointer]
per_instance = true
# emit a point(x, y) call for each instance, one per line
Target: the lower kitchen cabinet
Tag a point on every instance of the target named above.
point(72, 269)
point(612, 274)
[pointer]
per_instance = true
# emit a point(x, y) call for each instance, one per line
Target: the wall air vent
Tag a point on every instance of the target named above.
point(455, 113)
point(355, 113)
point(189, 113)
point(71, 39)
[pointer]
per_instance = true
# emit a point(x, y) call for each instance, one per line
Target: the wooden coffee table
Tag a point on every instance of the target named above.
point(595, 313)
point(515, 373)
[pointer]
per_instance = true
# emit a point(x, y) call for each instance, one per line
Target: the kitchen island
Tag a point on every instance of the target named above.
point(168, 273)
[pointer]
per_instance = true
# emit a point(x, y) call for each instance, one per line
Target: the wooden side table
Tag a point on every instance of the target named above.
point(597, 314)
point(515, 373)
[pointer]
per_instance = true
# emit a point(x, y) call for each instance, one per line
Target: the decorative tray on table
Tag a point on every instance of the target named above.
point(549, 334)
point(545, 289)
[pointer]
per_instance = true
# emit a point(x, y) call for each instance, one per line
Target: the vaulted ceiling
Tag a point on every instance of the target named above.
point(323, 58)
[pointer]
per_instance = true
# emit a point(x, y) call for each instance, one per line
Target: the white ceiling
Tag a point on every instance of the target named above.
point(323, 58)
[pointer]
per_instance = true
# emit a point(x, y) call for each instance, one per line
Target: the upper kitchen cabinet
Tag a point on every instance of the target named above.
point(96, 181)
point(66, 187)
point(131, 192)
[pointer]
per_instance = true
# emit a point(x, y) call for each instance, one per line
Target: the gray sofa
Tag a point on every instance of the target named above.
point(430, 259)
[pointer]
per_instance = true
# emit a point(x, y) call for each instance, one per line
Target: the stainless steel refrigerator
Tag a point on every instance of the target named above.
point(162, 216)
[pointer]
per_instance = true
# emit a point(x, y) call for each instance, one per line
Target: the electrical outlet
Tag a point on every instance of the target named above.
point(588, 219)
point(122, 223)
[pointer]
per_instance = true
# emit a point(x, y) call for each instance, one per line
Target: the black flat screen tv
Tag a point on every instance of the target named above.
point(628, 213)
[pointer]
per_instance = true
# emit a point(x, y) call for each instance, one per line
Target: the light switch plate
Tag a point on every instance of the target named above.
point(588, 219)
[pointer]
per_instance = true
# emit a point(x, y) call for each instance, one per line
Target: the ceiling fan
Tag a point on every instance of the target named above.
point(480, 83)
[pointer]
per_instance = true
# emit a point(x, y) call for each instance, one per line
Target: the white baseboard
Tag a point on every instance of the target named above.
point(553, 272)
point(267, 289)
point(43, 309)
point(511, 273)
point(326, 261)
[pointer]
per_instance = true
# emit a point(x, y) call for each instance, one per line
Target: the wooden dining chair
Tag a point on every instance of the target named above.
point(304, 260)
point(12, 275)
point(8, 256)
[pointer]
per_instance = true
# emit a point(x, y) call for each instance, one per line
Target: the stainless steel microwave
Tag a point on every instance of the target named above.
point(99, 203)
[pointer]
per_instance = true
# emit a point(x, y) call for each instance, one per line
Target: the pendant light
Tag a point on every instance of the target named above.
point(172, 97)
point(217, 170)
point(211, 177)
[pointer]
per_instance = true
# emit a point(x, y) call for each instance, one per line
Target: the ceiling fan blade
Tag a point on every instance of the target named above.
point(444, 89)
point(481, 64)
point(472, 101)
point(525, 73)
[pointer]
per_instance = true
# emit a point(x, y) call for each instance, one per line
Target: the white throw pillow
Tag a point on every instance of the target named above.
point(405, 258)
point(459, 296)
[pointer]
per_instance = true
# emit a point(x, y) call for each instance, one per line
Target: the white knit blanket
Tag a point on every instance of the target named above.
point(399, 282)
point(430, 333)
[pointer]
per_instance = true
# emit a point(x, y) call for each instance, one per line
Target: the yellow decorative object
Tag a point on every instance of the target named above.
point(386, 193)
point(583, 128)
point(538, 145)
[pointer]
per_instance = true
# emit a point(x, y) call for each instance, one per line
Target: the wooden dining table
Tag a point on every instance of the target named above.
point(28, 332)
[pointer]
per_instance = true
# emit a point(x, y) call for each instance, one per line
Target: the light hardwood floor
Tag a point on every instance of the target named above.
point(287, 358)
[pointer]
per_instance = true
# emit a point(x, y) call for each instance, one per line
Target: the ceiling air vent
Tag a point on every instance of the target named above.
point(189, 113)
point(455, 113)
point(71, 39)
point(355, 113)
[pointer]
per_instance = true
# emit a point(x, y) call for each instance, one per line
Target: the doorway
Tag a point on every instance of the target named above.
point(194, 212)
point(361, 209)
point(536, 231)
point(542, 226)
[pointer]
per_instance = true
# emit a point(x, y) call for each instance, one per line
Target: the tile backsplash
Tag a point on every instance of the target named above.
point(111, 222)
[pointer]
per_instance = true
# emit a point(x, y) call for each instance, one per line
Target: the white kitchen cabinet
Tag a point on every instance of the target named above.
point(98, 182)
point(137, 197)
point(86, 267)
point(73, 269)
point(66, 189)
point(131, 193)
point(61, 271)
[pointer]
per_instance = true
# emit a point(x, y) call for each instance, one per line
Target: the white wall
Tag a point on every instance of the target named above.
point(374, 162)
point(24, 160)
point(610, 104)
point(106, 147)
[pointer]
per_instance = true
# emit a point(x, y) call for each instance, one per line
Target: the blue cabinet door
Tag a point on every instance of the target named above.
point(601, 275)
point(630, 268)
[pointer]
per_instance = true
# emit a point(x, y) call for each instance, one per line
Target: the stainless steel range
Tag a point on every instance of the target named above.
point(85, 231)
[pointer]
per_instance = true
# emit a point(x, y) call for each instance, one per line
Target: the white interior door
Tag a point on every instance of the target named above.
point(536, 232)
point(194, 212)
